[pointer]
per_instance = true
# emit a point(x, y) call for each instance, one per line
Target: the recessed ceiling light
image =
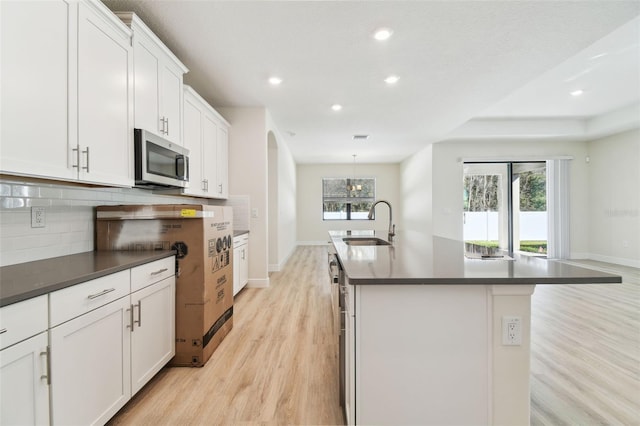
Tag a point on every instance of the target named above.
point(382, 34)
point(577, 92)
point(274, 81)
point(392, 79)
point(336, 107)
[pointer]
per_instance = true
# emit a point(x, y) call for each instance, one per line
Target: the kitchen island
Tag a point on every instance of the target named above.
point(434, 337)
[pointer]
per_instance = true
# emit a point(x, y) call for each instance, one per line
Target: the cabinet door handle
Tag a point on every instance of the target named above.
point(139, 322)
point(159, 271)
point(130, 325)
point(243, 254)
point(4, 330)
point(87, 167)
point(167, 125)
point(77, 151)
point(102, 293)
point(162, 125)
point(47, 355)
point(220, 191)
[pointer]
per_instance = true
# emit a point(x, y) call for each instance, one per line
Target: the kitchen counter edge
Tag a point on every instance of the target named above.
point(24, 281)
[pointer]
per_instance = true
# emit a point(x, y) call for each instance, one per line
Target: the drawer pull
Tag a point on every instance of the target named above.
point(102, 293)
point(4, 330)
point(160, 271)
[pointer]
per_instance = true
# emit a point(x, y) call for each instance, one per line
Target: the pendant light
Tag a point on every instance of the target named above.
point(353, 187)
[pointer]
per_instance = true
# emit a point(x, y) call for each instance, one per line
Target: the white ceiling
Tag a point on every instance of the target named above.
point(468, 69)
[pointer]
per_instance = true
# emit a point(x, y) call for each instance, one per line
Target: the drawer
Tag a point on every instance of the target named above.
point(21, 320)
point(240, 240)
point(149, 273)
point(79, 299)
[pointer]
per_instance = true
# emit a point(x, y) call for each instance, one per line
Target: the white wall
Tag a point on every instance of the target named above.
point(313, 230)
point(439, 166)
point(69, 216)
point(614, 204)
point(248, 176)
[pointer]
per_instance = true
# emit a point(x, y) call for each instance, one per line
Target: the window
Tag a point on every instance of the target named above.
point(505, 207)
point(347, 199)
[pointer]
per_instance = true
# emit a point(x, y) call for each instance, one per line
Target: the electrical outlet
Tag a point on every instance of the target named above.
point(511, 331)
point(37, 217)
point(254, 213)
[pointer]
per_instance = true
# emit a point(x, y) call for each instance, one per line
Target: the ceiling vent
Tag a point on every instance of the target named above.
point(360, 137)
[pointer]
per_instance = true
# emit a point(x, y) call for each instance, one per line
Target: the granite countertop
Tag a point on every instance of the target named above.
point(419, 258)
point(238, 232)
point(26, 280)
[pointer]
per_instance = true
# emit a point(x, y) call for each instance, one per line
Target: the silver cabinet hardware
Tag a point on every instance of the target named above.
point(243, 254)
point(160, 271)
point(47, 355)
point(87, 166)
point(4, 330)
point(167, 125)
point(102, 293)
point(130, 310)
point(220, 191)
point(77, 151)
point(139, 322)
point(205, 185)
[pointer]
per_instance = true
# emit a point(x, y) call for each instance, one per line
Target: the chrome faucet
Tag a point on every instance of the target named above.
point(392, 227)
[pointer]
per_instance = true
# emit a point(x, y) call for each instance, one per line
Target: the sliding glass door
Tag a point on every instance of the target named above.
point(505, 207)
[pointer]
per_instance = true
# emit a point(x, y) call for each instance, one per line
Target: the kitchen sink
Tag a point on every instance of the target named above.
point(365, 241)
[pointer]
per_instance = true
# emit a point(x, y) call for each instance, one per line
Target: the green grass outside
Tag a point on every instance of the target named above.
point(528, 246)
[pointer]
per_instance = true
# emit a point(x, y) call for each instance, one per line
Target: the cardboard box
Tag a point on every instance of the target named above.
point(202, 237)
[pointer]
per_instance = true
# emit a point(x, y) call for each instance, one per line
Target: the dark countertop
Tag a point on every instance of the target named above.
point(238, 232)
point(419, 258)
point(26, 280)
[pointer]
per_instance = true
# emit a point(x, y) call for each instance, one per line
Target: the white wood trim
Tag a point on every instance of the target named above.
point(136, 24)
point(513, 159)
point(258, 283)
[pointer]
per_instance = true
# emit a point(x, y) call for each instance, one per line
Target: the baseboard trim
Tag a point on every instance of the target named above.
point(277, 267)
point(258, 283)
point(616, 260)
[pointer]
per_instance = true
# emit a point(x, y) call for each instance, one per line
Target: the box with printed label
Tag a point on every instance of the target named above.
point(202, 237)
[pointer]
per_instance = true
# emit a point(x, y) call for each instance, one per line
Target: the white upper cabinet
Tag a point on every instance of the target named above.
point(206, 138)
point(222, 163)
point(66, 92)
point(158, 82)
point(34, 65)
point(105, 131)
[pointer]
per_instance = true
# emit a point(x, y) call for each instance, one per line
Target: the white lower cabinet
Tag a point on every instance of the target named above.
point(240, 262)
point(103, 350)
point(153, 335)
point(24, 376)
point(90, 365)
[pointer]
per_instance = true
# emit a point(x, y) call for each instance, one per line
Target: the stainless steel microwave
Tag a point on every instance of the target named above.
point(158, 162)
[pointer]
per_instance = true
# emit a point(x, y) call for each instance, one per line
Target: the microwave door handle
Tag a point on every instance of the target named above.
point(185, 167)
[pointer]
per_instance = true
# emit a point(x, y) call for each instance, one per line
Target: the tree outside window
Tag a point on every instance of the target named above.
point(347, 198)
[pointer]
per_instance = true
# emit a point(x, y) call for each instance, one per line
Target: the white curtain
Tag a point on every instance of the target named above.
point(558, 209)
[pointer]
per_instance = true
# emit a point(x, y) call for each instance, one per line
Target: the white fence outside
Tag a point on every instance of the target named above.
point(484, 226)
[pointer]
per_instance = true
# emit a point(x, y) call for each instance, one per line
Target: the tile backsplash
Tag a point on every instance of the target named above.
point(69, 216)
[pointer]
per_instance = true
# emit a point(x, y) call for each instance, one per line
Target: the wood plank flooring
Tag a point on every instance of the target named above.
point(279, 366)
point(585, 351)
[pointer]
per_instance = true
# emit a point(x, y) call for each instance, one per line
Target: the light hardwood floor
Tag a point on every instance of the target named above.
point(585, 351)
point(279, 366)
